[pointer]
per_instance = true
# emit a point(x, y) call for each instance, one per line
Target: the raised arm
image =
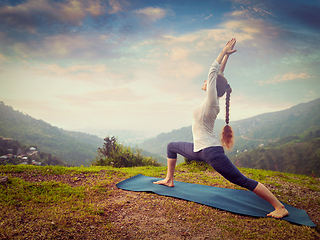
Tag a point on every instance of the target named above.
point(226, 51)
point(224, 63)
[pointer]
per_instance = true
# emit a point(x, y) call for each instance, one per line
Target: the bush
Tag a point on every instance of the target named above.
point(117, 155)
point(200, 165)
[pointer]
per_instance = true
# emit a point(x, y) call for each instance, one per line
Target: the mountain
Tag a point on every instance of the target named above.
point(254, 132)
point(298, 154)
point(269, 127)
point(275, 125)
point(74, 148)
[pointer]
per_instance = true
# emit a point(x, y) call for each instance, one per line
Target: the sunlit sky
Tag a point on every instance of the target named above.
point(140, 64)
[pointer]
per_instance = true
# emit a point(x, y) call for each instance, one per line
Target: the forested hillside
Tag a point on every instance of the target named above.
point(74, 148)
point(298, 154)
point(13, 152)
point(276, 125)
point(257, 133)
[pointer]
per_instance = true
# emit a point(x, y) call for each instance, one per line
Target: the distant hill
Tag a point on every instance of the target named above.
point(276, 125)
point(74, 148)
point(298, 154)
point(270, 127)
point(249, 133)
point(13, 152)
point(254, 132)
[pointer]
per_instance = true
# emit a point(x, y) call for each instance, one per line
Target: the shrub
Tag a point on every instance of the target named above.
point(117, 155)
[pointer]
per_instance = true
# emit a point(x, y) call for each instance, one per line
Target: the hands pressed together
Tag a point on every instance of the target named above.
point(228, 49)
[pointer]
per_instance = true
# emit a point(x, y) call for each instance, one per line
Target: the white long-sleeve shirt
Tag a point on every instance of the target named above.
point(204, 116)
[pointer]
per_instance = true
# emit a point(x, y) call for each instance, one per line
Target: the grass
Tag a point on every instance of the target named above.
point(84, 203)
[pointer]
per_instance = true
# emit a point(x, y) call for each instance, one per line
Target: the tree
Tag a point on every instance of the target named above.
point(117, 155)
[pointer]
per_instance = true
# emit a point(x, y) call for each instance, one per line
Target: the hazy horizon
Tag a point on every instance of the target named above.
point(137, 134)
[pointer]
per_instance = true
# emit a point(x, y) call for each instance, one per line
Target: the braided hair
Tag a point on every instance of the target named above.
point(227, 137)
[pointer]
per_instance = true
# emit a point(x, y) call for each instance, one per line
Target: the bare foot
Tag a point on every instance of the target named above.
point(165, 182)
point(279, 213)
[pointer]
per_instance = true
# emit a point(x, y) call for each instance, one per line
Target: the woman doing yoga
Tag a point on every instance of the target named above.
point(206, 147)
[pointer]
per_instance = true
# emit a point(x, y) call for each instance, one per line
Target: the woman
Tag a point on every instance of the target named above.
point(206, 147)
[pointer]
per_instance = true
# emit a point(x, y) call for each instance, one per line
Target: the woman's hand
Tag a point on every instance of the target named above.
point(228, 49)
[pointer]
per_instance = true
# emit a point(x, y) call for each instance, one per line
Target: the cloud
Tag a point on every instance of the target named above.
point(261, 21)
point(114, 95)
point(180, 63)
point(152, 13)
point(207, 40)
point(179, 53)
point(177, 76)
point(247, 12)
point(253, 28)
point(267, 36)
point(42, 29)
point(87, 73)
point(294, 14)
point(3, 58)
point(71, 46)
point(116, 6)
point(33, 13)
point(210, 16)
point(285, 78)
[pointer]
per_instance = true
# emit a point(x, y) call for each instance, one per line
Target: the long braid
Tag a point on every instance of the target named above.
point(228, 91)
point(227, 132)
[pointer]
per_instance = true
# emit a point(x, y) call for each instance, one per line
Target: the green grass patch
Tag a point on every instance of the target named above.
point(20, 192)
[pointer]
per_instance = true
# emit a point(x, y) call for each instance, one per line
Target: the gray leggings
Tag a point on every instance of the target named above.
point(214, 156)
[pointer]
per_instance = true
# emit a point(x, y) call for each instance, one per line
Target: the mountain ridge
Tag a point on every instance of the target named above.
point(251, 133)
point(243, 128)
point(301, 117)
point(77, 148)
point(71, 147)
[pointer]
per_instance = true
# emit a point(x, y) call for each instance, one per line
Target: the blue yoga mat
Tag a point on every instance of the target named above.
point(233, 200)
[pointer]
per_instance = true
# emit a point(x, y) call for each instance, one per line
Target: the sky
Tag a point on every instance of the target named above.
point(140, 65)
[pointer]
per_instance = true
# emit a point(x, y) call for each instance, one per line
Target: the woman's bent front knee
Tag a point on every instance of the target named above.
point(171, 154)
